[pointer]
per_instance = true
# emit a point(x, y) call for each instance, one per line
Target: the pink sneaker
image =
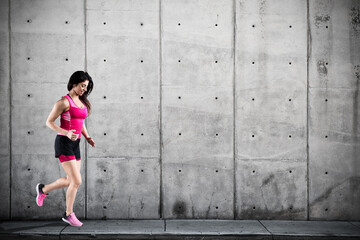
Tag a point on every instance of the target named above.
point(72, 220)
point(40, 195)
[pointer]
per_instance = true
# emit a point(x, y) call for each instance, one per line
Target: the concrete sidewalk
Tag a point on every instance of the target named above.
point(181, 229)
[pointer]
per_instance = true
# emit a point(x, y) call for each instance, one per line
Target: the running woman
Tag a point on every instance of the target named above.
point(73, 108)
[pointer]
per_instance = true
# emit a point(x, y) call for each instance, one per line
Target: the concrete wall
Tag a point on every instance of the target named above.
point(334, 110)
point(5, 111)
point(47, 40)
point(201, 109)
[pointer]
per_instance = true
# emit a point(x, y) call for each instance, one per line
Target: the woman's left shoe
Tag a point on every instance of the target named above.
point(72, 220)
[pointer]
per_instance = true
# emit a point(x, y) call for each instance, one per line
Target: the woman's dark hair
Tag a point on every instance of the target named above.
point(78, 77)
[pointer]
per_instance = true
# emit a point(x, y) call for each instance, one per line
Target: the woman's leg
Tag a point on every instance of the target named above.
point(59, 183)
point(78, 163)
point(72, 169)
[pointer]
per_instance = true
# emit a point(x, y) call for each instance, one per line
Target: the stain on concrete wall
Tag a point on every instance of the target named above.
point(201, 109)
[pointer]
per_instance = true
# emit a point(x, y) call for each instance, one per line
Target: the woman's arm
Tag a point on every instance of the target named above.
point(59, 107)
point(86, 135)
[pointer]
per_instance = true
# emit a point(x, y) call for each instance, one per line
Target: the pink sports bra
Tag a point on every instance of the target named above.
point(73, 119)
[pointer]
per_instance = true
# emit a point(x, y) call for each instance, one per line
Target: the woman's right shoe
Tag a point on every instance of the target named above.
point(40, 195)
point(72, 220)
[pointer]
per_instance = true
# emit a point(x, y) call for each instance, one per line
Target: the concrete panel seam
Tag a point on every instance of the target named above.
point(234, 109)
point(62, 231)
point(354, 225)
point(10, 97)
point(272, 235)
point(161, 202)
point(86, 147)
point(307, 110)
point(85, 35)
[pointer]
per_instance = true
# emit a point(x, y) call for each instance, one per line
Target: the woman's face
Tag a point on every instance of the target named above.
point(81, 88)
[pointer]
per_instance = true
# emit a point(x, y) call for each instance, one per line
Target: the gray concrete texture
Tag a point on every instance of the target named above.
point(182, 229)
point(232, 109)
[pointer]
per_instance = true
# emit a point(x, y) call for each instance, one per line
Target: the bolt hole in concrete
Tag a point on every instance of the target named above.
point(289, 136)
point(326, 100)
point(217, 171)
point(66, 59)
point(253, 62)
point(142, 170)
point(289, 63)
point(327, 27)
point(67, 22)
point(253, 135)
point(104, 170)
point(142, 98)
point(326, 209)
point(289, 99)
point(253, 208)
point(142, 60)
point(253, 25)
point(216, 98)
point(29, 169)
point(179, 97)
point(104, 134)
point(28, 206)
point(141, 24)
point(104, 207)
point(28, 58)
point(290, 26)
point(326, 63)
point(142, 134)
point(179, 134)
point(179, 170)
point(179, 61)
point(104, 60)
point(217, 134)
point(216, 207)
point(290, 171)
point(104, 23)
point(178, 24)
point(326, 136)
point(104, 97)
point(326, 172)
point(29, 95)
point(253, 99)
point(215, 24)
point(253, 171)
point(216, 61)
point(29, 20)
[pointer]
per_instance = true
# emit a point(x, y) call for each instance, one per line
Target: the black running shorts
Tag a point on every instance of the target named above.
point(66, 149)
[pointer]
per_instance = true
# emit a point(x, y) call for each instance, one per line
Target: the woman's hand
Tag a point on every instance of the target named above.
point(71, 135)
point(90, 141)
